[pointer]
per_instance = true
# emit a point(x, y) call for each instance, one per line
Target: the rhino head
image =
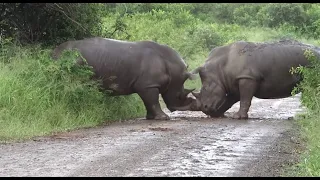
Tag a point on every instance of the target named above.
point(177, 97)
point(212, 98)
point(189, 103)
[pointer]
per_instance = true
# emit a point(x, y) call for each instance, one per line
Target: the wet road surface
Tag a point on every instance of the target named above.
point(188, 145)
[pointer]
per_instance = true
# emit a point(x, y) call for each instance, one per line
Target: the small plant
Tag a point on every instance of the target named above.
point(310, 86)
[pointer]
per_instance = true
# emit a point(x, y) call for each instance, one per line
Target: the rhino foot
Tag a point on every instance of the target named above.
point(158, 117)
point(239, 115)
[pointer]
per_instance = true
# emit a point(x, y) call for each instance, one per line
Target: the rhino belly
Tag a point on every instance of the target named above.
point(274, 89)
point(117, 83)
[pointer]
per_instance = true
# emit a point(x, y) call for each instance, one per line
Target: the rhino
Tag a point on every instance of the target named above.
point(243, 70)
point(143, 67)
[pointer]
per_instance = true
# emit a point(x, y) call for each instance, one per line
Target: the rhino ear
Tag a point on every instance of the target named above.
point(196, 94)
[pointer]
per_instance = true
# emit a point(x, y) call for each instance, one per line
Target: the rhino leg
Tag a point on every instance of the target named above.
point(150, 98)
point(247, 88)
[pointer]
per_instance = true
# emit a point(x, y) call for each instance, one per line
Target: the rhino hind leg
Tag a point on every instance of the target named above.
point(150, 98)
point(247, 88)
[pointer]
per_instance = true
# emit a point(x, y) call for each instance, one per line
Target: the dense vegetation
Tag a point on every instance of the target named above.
point(39, 96)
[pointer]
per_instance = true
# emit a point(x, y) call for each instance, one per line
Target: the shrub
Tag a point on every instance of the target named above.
point(273, 15)
point(246, 14)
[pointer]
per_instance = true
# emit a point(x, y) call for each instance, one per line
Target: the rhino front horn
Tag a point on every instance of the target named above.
point(187, 91)
point(196, 94)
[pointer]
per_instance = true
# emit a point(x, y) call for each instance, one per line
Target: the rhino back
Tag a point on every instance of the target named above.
point(267, 59)
point(127, 66)
point(270, 64)
point(176, 68)
point(120, 64)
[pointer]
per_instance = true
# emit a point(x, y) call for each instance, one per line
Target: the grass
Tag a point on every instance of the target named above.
point(310, 159)
point(308, 165)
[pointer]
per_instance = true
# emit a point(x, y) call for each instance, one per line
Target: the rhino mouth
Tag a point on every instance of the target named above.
point(215, 112)
point(221, 104)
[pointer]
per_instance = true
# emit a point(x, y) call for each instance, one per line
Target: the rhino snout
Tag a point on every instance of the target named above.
point(206, 108)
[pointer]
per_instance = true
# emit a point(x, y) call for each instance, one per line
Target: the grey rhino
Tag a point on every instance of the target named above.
point(243, 70)
point(144, 67)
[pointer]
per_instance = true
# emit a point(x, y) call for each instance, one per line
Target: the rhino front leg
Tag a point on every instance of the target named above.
point(150, 98)
point(247, 88)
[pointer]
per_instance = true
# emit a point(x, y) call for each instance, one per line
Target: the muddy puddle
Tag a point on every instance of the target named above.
point(191, 144)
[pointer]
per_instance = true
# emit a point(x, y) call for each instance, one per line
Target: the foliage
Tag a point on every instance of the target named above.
point(272, 15)
point(310, 86)
point(49, 22)
point(245, 14)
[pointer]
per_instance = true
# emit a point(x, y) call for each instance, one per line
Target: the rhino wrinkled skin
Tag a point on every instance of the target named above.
point(243, 70)
point(144, 67)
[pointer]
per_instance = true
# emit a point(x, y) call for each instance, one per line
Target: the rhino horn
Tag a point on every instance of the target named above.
point(196, 94)
point(187, 91)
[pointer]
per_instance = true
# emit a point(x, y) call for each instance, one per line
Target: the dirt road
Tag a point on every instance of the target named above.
point(188, 145)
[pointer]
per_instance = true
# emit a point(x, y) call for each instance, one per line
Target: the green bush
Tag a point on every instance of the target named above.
point(246, 14)
point(275, 14)
point(171, 28)
point(50, 23)
point(310, 86)
point(311, 27)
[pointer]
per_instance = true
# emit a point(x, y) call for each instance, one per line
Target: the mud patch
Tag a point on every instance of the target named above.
point(67, 136)
point(161, 129)
point(286, 148)
point(137, 130)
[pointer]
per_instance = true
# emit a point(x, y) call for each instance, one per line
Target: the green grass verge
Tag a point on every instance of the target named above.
point(308, 165)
